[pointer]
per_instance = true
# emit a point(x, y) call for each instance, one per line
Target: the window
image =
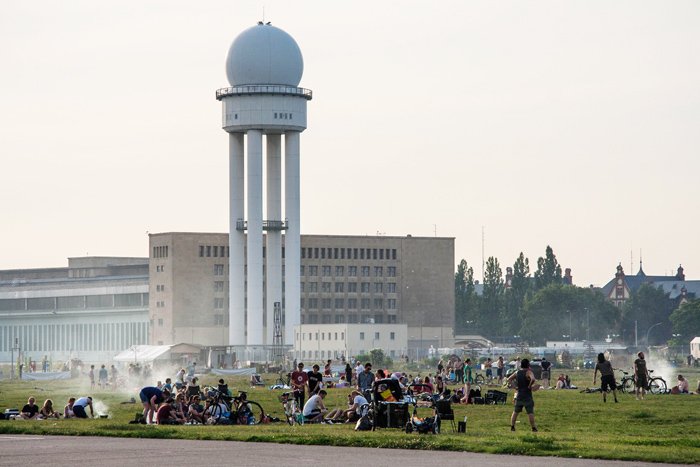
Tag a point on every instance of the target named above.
point(378, 271)
point(352, 287)
point(378, 319)
point(378, 303)
point(301, 287)
point(391, 271)
point(352, 303)
point(391, 287)
point(381, 253)
point(326, 287)
point(365, 303)
point(216, 251)
point(313, 270)
point(313, 319)
point(365, 271)
point(339, 287)
point(393, 254)
point(364, 287)
point(392, 336)
point(208, 251)
point(160, 321)
point(354, 253)
point(218, 286)
point(391, 303)
point(218, 269)
point(376, 335)
point(326, 303)
point(391, 319)
point(352, 319)
point(339, 319)
point(301, 270)
point(313, 287)
point(326, 270)
point(362, 336)
point(313, 303)
point(378, 287)
point(218, 303)
point(352, 271)
point(326, 319)
point(339, 303)
point(218, 320)
point(201, 251)
point(339, 271)
point(301, 305)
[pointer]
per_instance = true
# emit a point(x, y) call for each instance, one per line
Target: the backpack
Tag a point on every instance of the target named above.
point(363, 424)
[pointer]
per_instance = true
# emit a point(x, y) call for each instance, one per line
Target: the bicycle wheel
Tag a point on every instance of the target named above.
point(251, 409)
point(657, 386)
point(628, 385)
point(215, 412)
point(479, 380)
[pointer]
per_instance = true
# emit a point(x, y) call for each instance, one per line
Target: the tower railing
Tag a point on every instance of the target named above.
point(249, 89)
point(267, 225)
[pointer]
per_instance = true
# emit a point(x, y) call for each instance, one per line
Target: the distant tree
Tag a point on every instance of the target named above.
point(647, 306)
point(492, 298)
point(514, 300)
point(548, 270)
point(557, 311)
point(466, 300)
point(686, 320)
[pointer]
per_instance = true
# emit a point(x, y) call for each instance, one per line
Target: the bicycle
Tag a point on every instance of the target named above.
point(626, 384)
point(656, 385)
point(241, 410)
point(284, 380)
point(291, 412)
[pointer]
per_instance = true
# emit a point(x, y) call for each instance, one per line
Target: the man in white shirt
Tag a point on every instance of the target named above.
point(80, 405)
point(314, 408)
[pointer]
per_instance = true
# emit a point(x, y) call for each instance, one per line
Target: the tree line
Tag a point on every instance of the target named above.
point(541, 306)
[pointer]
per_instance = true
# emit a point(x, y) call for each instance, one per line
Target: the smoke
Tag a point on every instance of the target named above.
point(663, 368)
point(100, 407)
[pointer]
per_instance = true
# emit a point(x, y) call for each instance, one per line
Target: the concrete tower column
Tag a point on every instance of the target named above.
point(273, 258)
point(236, 241)
point(292, 243)
point(255, 239)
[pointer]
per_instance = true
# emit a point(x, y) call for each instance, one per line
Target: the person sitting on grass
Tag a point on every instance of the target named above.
point(314, 409)
point(79, 407)
point(195, 412)
point(30, 411)
point(68, 409)
point(181, 409)
point(47, 410)
point(166, 414)
point(561, 382)
point(683, 386)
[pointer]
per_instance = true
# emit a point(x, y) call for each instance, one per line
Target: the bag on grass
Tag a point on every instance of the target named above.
point(363, 424)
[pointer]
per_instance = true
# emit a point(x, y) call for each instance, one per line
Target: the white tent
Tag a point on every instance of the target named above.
point(695, 347)
point(143, 353)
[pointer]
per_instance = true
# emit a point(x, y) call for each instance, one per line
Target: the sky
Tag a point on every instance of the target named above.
point(564, 123)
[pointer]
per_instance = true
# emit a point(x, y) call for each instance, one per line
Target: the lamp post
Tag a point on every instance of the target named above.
point(14, 348)
point(650, 328)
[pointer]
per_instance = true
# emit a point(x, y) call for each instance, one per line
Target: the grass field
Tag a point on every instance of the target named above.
point(661, 428)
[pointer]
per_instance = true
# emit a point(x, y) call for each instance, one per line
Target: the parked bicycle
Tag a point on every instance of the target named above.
point(656, 384)
point(284, 379)
point(241, 410)
point(291, 412)
point(626, 383)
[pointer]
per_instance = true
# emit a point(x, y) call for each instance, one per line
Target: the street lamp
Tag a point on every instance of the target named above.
point(650, 328)
point(14, 348)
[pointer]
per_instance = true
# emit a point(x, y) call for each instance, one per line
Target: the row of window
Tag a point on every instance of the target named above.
point(283, 116)
point(340, 287)
point(76, 302)
point(160, 288)
point(312, 318)
point(160, 304)
point(348, 253)
point(74, 337)
point(160, 251)
point(339, 304)
point(215, 251)
point(322, 335)
point(365, 271)
point(330, 354)
point(160, 268)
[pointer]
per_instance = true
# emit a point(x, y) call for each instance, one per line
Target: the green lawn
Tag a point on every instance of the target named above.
point(661, 428)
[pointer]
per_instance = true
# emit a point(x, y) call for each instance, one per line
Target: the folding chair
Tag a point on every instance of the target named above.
point(445, 412)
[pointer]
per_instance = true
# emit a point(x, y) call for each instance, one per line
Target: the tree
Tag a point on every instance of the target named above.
point(492, 298)
point(466, 300)
point(647, 306)
point(686, 319)
point(514, 300)
point(548, 270)
point(557, 311)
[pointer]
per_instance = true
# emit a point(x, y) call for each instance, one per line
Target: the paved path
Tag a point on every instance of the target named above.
point(18, 450)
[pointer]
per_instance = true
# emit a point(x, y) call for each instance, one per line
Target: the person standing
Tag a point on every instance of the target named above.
point(348, 373)
point(150, 398)
point(315, 380)
point(365, 379)
point(500, 366)
point(459, 371)
point(641, 376)
point(468, 380)
point(103, 375)
point(525, 380)
point(300, 381)
point(91, 375)
point(607, 377)
point(546, 365)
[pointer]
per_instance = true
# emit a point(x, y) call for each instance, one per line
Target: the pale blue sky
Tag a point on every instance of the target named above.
point(568, 123)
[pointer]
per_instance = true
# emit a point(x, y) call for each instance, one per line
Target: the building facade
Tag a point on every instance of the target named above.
point(92, 309)
point(319, 342)
point(343, 280)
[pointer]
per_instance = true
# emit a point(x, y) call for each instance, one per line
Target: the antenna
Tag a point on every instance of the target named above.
point(483, 241)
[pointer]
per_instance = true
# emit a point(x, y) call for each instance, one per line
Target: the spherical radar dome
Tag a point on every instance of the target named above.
point(264, 54)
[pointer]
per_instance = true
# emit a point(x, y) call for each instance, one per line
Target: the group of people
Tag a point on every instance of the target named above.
point(106, 378)
point(75, 408)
